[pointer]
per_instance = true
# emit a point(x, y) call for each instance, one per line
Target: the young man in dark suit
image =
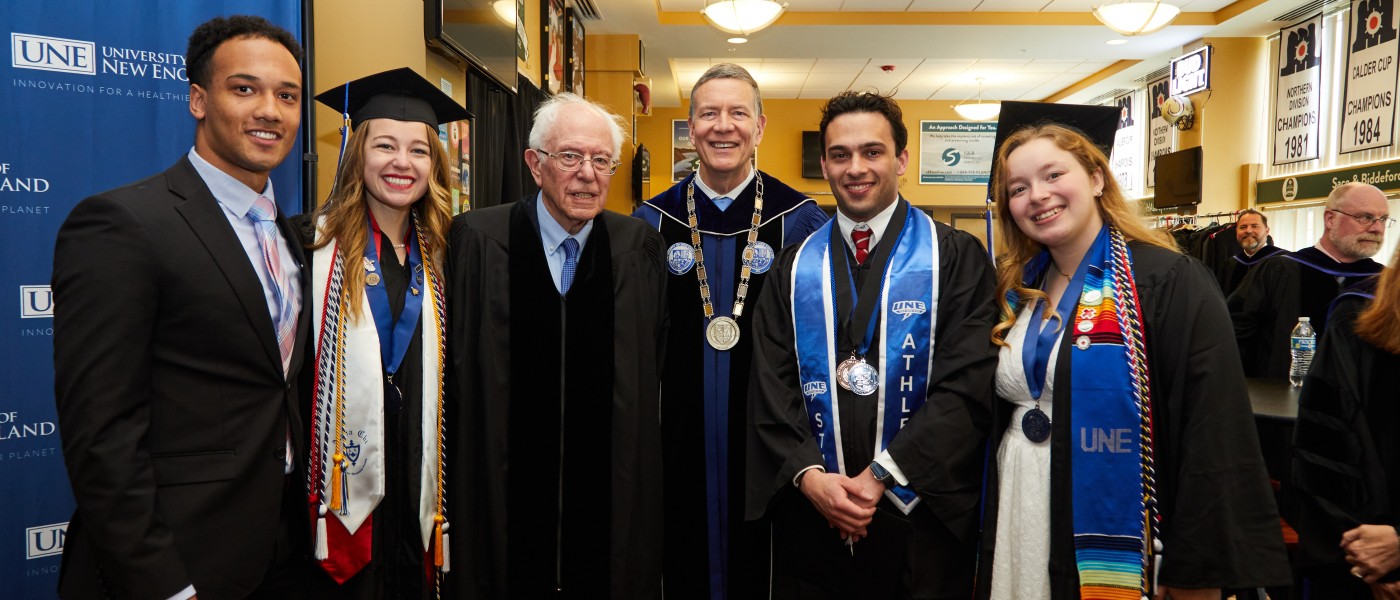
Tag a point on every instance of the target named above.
point(177, 349)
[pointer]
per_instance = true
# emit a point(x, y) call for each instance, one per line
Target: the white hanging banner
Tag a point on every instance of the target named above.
point(1126, 160)
point(1298, 95)
point(1368, 105)
point(1159, 137)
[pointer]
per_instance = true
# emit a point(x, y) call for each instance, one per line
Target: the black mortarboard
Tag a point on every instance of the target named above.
point(1098, 123)
point(399, 94)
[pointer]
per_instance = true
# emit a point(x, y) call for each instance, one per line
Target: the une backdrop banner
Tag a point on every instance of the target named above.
point(95, 96)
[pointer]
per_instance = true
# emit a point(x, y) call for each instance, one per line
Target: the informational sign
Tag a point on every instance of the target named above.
point(1159, 131)
point(1368, 105)
point(1298, 93)
point(1126, 160)
point(1311, 186)
point(684, 159)
point(1190, 73)
point(952, 152)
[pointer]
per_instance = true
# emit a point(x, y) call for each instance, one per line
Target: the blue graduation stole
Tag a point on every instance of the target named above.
point(1110, 422)
point(908, 304)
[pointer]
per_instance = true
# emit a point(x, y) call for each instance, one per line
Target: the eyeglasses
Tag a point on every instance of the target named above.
point(573, 161)
point(1367, 220)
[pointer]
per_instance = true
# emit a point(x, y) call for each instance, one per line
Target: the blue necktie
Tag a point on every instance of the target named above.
point(566, 278)
point(264, 216)
point(723, 202)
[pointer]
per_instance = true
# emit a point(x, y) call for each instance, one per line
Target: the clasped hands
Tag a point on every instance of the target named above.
point(848, 503)
point(1373, 551)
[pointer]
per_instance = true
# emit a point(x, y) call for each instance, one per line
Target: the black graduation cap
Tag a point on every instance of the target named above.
point(1098, 123)
point(399, 94)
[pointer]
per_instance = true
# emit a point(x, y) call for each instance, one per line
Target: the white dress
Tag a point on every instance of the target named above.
point(1020, 566)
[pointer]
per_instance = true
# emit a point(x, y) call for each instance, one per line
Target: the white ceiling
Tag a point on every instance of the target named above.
point(930, 61)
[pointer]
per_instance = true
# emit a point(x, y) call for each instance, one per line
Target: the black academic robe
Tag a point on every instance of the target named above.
point(711, 552)
point(928, 553)
point(1275, 294)
point(396, 568)
point(1219, 524)
point(1346, 451)
point(556, 486)
point(1229, 274)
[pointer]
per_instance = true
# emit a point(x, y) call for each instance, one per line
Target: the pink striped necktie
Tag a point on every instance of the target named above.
point(264, 216)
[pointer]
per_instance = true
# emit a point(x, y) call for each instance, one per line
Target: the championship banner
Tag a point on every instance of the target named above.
point(1298, 93)
point(1126, 160)
point(95, 96)
point(1368, 105)
point(1159, 140)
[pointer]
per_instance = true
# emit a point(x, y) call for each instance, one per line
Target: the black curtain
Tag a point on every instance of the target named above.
point(501, 129)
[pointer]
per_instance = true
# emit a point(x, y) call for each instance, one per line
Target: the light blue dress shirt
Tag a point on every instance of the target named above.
point(553, 235)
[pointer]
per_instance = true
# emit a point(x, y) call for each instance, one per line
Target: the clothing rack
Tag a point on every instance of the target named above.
point(1167, 221)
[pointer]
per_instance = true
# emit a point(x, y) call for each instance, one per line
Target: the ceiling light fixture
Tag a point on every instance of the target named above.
point(979, 110)
point(1136, 18)
point(743, 17)
point(505, 11)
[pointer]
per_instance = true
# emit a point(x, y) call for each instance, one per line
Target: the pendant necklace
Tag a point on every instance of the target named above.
point(723, 332)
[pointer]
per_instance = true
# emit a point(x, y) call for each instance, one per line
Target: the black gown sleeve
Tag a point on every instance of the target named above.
point(780, 442)
point(1220, 525)
point(941, 448)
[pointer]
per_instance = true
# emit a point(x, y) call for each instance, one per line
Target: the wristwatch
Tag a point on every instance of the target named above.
point(882, 474)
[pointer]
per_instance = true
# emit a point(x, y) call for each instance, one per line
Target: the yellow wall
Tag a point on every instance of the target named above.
point(780, 153)
point(1228, 121)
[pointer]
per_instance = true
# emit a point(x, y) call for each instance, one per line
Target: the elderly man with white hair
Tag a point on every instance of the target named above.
point(556, 327)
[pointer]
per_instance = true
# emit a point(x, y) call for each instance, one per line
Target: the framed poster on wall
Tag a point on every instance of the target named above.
point(575, 64)
point(684, 158)
point(552, 33)
point(456, 138)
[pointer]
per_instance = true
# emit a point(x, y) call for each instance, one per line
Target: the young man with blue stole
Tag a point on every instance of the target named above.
point(872, 378)
point(721, 226)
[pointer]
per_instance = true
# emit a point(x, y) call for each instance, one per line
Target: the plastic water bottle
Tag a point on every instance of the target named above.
point(1301, 344)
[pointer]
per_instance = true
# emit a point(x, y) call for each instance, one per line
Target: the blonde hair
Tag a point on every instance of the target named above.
point(1020, 248)
point(1379, 323)
point(342, 217)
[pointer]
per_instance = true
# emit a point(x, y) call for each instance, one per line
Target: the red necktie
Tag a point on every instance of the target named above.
point(861, 237)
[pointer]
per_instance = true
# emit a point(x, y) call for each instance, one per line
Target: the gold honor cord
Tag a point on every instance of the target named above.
point(440, 524)
point(723, 332)
point(338, 465)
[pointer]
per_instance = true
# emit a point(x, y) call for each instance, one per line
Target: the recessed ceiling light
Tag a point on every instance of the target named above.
point(1116, 42)
point(738, 40)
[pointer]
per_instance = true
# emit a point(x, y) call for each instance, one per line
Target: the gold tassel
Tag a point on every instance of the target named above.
point(437, 540)
point(335, 481)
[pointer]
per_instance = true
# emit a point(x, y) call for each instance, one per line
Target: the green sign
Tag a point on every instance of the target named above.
point(1311, 186)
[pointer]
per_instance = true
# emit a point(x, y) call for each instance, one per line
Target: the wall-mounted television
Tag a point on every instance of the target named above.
point(812, 155)
point(1178, 179)
point(474, 31)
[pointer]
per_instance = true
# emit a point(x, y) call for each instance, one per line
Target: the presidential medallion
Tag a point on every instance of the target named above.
point(722, 333)
point(864, 378)
point(1035, 424)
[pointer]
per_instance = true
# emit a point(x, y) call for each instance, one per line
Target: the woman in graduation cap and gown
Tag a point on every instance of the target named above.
point(377, 468)
point(1127, 464)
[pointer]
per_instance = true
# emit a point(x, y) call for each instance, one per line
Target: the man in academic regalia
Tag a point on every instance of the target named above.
point(556, 329)
point(872, 378)
point(722, 226)
point(1252, 233)
point(1269, 301)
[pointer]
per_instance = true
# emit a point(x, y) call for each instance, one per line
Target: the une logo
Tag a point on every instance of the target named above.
point(35, 302)
point(44, 540)
point(52, 54)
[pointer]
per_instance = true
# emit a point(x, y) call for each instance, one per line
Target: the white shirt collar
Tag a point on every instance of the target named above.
point(876, 224)
point(732, 194)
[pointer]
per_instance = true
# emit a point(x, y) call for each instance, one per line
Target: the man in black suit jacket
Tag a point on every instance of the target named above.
point(177, 348)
